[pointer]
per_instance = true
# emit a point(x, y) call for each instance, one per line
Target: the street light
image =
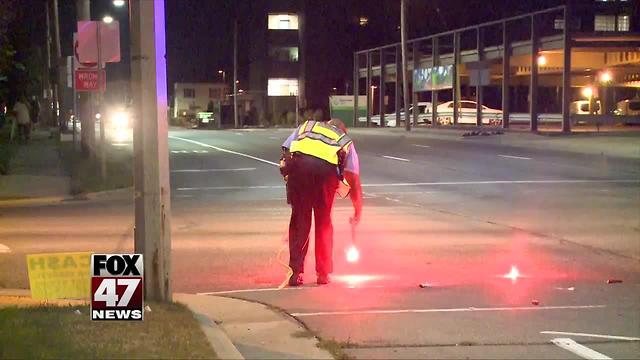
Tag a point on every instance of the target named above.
point(119, 3)
point(587, 92)
point(605, 76)
point(107, 19)
point(542, 60)
point(223, 73)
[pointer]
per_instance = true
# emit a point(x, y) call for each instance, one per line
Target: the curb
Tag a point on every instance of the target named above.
point(218, 339)
point(49, 200)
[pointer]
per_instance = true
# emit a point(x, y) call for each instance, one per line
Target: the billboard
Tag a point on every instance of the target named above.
point(433, 78)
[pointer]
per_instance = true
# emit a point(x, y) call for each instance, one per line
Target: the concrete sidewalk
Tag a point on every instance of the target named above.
point(254, 330)
point(36, 170)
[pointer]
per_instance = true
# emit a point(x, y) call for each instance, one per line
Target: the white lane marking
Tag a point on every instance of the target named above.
point(200, 151)
point(231, 187)
point(515, 157)
point(422, 146)
point(179, 151)
point(492, 182)
point(4, 249)
point(225, 150)
point(247, 290)
point(612, 337)
point(579, 349)
point(273, 138)
point(395, 158)
point(210, 170)
point(445, 310)
point(430, 184)
point(240, 134)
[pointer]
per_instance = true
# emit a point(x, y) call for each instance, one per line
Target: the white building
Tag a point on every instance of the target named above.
point(191, 98)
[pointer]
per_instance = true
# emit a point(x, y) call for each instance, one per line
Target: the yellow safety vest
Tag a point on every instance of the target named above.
point(321, 140)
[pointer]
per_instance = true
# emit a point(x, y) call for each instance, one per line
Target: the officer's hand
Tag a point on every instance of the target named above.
point(355, 219)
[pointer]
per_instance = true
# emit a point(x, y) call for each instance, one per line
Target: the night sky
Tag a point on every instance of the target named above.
point(200, 32)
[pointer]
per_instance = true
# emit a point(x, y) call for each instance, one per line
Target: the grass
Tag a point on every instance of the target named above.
point(168, 331)
point(336, 348)
point(85, 171)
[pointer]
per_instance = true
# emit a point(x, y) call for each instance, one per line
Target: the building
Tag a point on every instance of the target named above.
point(191, 98)
point(277, 61)
point(528, 70)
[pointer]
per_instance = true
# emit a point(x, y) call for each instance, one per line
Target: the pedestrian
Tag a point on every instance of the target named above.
point(317, 156)
point(23, 119)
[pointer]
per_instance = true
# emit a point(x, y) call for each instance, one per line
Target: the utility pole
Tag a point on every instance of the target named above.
point(103, 143)
point(87, 132)
point(47, 73)
point(235, 73)
point(58, 64)
point(405, 82)
point(151, 155)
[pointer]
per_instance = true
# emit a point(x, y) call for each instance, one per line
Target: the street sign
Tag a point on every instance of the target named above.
point(59, 275)
point(87, 80)
point(86, 49)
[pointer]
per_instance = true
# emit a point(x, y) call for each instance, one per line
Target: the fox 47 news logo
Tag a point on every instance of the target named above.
point(117, 287)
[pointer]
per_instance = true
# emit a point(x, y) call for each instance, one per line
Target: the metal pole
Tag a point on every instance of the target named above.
point(414, 94)
point(103, 143)
point(533, 85)
point(368, 90)
point(566, 72)
point(356, 89)
point(382, 88)
point(506, 75)
point(75, 101)
point(403, 44)
point(235, 74)
point(435, 53)
point(58, 64)
point(87, 128)
point(398, 79)
point(479, 88)
point(149, 77)
point(456, 79)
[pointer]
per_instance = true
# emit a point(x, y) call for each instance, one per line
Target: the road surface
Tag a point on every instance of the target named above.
point(513, 243)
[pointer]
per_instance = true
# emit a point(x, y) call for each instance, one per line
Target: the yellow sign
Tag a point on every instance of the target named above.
point(59, 275)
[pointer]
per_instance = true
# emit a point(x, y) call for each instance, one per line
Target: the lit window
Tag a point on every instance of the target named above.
point(558, 24)
point(189, 93)
point(284, 53)
point(282, 87)
point(363, 21)
point(605, 23)
point(283, 22)
point(623, 22)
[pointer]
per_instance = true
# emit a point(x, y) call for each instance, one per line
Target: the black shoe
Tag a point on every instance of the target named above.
point(296, 280)
point(323, 279)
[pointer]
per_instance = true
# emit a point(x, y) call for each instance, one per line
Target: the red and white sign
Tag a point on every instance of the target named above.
point(86, 47)
point(87, 80)
point(117, 287)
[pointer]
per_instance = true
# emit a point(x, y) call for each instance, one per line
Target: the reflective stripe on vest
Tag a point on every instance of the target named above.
point(320, 140)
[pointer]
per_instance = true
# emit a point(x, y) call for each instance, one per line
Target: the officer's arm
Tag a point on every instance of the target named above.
point(355, 194)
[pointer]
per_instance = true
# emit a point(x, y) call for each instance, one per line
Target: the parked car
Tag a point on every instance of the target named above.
point(629, 107)
point(467, 113)
point(424, 116)
point(581, 107)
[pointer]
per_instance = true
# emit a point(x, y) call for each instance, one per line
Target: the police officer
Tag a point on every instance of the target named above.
point(317, 157)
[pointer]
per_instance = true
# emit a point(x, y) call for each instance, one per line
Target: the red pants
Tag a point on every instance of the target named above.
point(312, 185)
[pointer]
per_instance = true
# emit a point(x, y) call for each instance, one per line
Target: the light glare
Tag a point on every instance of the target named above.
point(353, 255)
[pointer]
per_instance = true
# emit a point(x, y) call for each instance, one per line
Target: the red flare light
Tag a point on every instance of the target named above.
point(353, 255)
point(513, 274)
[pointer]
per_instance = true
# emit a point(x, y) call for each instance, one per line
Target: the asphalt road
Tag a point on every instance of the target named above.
point(458, 215)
